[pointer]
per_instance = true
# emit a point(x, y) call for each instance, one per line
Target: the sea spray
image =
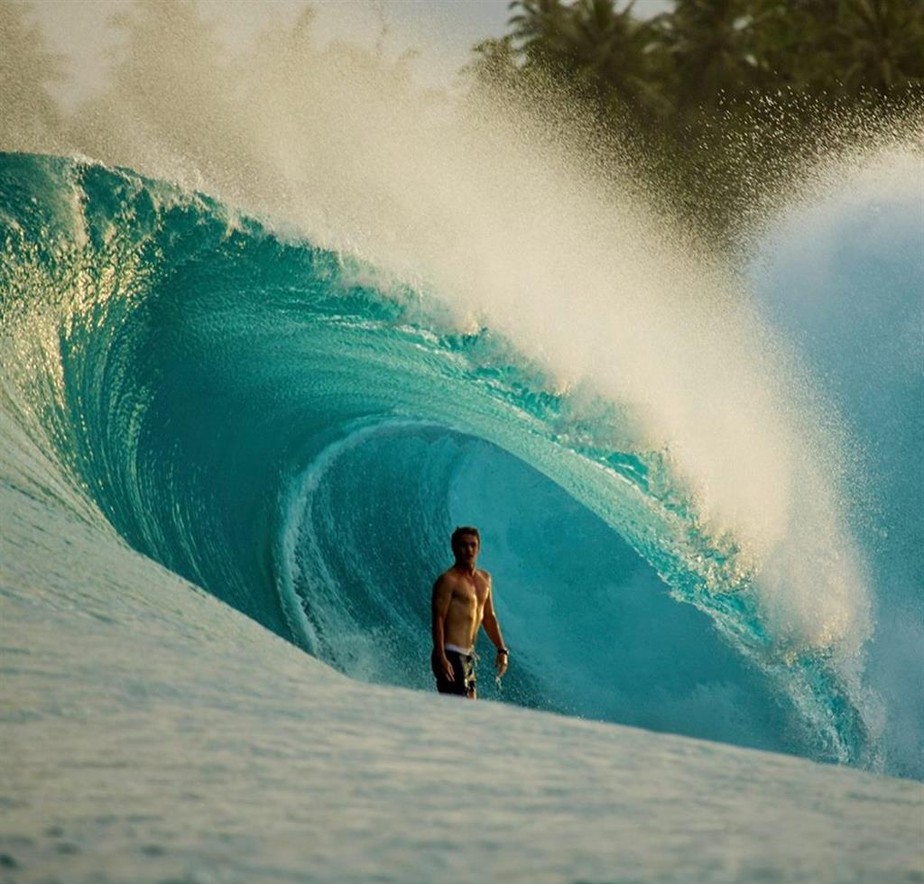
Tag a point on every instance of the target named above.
point(840, 271)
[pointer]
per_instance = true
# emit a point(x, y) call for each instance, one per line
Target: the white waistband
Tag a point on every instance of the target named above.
point(459, 650)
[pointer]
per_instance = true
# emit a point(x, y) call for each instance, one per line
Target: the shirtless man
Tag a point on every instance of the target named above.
point(461, 603)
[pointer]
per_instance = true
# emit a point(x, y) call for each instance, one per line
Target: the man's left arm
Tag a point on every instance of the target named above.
point(492, 628)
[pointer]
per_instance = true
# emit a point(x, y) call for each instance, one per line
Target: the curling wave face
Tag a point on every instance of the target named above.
point(297, 432)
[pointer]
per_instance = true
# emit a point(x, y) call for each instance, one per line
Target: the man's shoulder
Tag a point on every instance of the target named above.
point(484, 575)
point(447, 576)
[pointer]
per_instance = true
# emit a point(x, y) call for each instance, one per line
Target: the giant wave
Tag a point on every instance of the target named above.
point(296, 430)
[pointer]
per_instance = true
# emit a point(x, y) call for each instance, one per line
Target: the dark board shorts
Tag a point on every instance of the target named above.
point(463, 668)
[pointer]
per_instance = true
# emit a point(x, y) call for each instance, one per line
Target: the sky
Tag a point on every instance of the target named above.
point(441, 31)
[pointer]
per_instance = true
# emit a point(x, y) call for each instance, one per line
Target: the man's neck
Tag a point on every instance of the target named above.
point(465, 568)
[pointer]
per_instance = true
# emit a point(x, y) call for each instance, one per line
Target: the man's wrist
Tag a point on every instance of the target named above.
point(503, 651)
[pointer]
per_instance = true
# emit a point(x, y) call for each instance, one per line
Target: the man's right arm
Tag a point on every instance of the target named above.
point(442, 596)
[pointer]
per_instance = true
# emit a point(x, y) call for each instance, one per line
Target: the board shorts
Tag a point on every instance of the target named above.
point(463, 668)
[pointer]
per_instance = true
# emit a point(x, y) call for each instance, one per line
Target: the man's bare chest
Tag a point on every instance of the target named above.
point(471, 591)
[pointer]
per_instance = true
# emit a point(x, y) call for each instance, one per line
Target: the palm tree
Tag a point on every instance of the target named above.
point(719, 99)
point(714, 45)
point(619, 49)
point(607, 52)
point(540, 30)
point(879, 44)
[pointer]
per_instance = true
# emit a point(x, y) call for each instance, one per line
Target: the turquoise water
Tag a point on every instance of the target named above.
point(297, 433)
point(843, 276)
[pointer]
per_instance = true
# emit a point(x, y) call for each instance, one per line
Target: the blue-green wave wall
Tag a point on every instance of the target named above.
point(297, 433)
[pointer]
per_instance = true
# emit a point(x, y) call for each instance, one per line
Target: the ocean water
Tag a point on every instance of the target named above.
point(250, 384)
point(258, 417)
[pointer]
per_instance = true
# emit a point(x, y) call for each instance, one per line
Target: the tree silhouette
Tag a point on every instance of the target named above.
point(719, 99)
point(879, 44)
point(606, 52)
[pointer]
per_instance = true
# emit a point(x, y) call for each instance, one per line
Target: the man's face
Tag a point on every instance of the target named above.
point(466, 548)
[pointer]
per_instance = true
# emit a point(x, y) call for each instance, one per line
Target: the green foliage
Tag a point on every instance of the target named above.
point(718, 100)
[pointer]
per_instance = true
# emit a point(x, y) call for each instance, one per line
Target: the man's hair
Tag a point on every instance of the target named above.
point(465, 529)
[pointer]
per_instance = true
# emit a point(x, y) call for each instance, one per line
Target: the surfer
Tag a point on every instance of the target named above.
point(462, 602)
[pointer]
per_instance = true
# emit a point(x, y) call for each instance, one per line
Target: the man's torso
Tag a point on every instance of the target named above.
point(466, 606)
